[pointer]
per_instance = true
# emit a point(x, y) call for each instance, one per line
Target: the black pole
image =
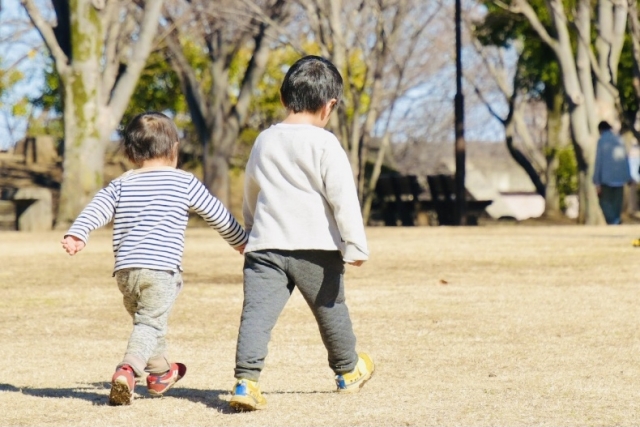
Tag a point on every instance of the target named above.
point(460, 211)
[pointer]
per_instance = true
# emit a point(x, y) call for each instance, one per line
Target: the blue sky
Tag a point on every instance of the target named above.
point(14, 52)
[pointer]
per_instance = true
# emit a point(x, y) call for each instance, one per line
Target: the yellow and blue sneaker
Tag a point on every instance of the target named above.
point(352, 382)
point(247, 396)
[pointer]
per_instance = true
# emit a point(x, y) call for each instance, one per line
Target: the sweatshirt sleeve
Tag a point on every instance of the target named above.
point(215, 214)
point(250, 198)
point(97, 213)
point(340, 191)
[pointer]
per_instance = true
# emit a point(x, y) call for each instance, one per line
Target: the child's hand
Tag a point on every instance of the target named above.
point(72, 244)
point(241, 248)
point(356, 263)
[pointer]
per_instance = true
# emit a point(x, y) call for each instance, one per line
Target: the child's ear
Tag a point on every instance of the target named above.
point(328, 108)
point(175, 155)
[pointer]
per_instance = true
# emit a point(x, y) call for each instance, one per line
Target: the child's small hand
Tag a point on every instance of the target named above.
point(356, 263)
point(72, 244)
point(241, 248)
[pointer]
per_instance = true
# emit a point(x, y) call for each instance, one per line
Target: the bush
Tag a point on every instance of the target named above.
point(567, 174)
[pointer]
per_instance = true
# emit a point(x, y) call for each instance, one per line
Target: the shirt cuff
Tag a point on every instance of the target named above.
point(353, 253)
point(81, 236)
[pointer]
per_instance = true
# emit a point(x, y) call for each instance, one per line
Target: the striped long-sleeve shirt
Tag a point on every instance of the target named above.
point(150, 209)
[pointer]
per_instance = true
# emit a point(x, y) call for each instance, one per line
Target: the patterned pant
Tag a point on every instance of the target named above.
point(148, 296)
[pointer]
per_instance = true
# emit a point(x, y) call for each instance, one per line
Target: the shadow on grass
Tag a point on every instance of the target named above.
point(267, 393)
point(89, 394)
point(98, 394)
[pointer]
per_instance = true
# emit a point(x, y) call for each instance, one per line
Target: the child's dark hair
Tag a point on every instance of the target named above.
point(310, 84)
point(150, 135)
point(604, 126)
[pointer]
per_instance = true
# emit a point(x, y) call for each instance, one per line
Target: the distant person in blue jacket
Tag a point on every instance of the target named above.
point(611, 173)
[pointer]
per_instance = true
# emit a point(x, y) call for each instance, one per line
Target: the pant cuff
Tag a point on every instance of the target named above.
point(136, 363)
point(158, 365)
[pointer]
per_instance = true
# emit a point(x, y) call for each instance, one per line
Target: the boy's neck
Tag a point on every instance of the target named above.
point(306, 118)
point(158, 163)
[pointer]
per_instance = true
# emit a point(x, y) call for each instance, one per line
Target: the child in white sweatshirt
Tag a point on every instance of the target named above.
point(303, 218)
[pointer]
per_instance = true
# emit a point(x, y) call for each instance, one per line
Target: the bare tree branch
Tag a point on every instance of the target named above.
point(257, 63)
point(112, 64)
point(634, 23)
point(584, 68)
point(488, 104)
point(48, 35)
point(139, 53)
point(189, 82)
point(497, 76)
point(275, 26)
point(523, 7)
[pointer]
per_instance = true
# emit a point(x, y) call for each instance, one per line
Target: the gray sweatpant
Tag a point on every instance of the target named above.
point(148, 296)
point(269, 279)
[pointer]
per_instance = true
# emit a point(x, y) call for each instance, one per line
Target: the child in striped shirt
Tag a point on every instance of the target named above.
point(150, 207)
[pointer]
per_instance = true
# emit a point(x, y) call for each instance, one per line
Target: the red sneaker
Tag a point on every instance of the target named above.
point(158, 384)
point(122, 384)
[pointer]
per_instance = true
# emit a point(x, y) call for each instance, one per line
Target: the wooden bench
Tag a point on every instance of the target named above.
point(397, 196)
point(400, 199)
point(443, 200)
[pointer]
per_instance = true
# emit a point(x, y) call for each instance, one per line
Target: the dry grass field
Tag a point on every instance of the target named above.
point(484, 326)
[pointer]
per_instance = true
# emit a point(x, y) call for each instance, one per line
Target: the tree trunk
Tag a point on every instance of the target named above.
point(589, 212)
point(578, 85)
point(216, 176)
point(217, 155)
point(584, 146)
point(83, 163)
point(552, 196)
point(555, 141)
point(375, 174)
point(83, 168)
point(95, 93)
point(520, 158)
point(612, 20)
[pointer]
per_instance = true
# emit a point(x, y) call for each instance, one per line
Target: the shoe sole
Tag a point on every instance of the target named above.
point(355, 388)
point(243, 404)
point(155, 393)
point(120, 394)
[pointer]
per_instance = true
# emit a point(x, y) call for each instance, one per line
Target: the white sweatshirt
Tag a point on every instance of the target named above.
point(299, 193)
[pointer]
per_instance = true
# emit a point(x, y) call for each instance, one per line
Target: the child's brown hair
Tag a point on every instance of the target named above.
point(150, 135)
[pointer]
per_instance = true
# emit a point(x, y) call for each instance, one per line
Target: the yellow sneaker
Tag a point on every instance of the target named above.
point(353, 381)
point(247, 396)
